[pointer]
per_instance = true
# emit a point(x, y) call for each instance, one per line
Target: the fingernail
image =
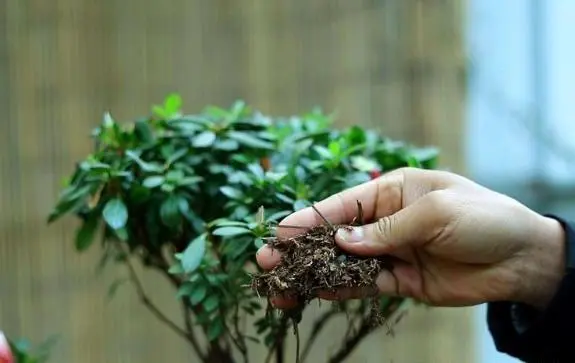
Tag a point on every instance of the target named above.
point(350, 235)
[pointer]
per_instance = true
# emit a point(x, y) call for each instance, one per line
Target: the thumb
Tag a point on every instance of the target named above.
point(413, 226)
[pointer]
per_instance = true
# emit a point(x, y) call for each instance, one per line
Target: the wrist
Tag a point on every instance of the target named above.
point(545, 264)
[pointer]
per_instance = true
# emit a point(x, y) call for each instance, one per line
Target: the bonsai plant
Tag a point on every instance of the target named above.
point(194, 196)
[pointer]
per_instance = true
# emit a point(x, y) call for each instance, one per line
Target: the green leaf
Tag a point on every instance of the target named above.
point(413, 162)
point(107, 120)
point(230, 231)
point(284, 198)
point(94, 165)
point(247, 139)
point(215, 329)
point(211, 303)
point(236, 248)
point(257, 170)
point(122, 234)
point(334, 148)
point(279, 215)
point(300, 204)
point(159, 111)
point(70, 200)
point(259, 242)
point(145, 166)
point(270, 339)
point(238, 108)
point(225, 222)
point(260, 215)
point(198, 294)
point(217, 279)
point(190, 180)
point(170, 211)
point(86, 232)
point(362, 163)
point(230, 192)
point(183, 205)
point(173, 103)
point(176, 269)
point(143, 131)
point(139, 194)
point(204, 139)
point(114, 287)
point(323, 152)
point(253, 339)
point(193, 254)
point(227, 145)
point(176, 156)
point(153, 181)
point(167, 187)
point(115, 213)
point(175, 176)
point(185, 290)
point(216, 112)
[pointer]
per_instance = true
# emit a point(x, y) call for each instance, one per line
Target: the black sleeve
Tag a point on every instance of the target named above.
point(533, 336)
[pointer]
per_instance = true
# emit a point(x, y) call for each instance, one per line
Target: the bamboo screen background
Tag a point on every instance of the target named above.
point(397, 66)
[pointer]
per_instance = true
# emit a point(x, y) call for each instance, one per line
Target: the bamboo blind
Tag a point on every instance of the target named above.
point(395, 65)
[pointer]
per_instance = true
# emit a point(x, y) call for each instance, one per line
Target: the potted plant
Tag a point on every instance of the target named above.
point(194, 196)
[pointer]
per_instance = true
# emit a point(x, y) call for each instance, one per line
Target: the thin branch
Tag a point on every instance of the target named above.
point(323, 217)
point(190, 330)
point(241, 338)
point(297, 344)
point(187, 335)
point(148, 303)
point(360, 219)
point(238, 340)
point(318, 325)
point(276, 347)
point(237, 343)
point(290, 226)
point(349, 345)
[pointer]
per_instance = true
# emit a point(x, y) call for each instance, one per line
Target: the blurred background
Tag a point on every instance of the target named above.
point(489, 82)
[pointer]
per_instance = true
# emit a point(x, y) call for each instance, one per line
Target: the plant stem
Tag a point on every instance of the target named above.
point(238, 341)
point(297, 344)
point(148, 303)
point(278, 344)
point(280, 349)
point(187, 335)
point(190, 330)
point(318, 325)
point(350, 343)
point(241, 341)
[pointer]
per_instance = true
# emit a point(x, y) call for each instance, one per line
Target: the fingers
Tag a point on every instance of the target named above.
point(413, 226)
point(378, 197)
point(267, 258)
point(403, 282)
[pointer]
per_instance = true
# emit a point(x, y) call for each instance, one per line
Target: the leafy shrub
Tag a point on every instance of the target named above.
point(181, 194)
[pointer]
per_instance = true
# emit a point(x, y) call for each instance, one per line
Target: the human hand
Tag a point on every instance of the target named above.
point(458, 243)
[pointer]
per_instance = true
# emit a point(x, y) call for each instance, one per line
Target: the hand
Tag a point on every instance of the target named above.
point(457, 242)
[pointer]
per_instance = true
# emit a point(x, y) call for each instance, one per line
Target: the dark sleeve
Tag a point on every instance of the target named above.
point(534, 336)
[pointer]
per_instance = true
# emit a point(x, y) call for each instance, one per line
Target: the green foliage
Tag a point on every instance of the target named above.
point(24, 352)
point(207, 187)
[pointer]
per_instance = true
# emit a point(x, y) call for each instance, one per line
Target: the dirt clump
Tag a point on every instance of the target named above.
point(312, 262)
